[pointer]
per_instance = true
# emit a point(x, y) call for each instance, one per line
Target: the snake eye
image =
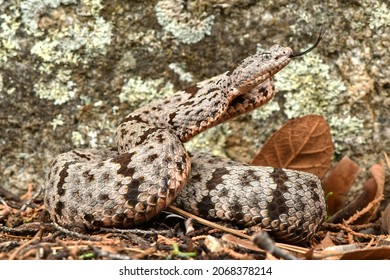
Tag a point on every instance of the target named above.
point(267, 55)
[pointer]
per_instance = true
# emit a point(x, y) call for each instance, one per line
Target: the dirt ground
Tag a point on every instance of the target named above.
point(27, 233)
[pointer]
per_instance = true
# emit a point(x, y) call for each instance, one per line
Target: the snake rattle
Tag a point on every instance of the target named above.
point(150, 168)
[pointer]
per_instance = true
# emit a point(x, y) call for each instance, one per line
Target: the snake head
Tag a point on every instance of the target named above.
point(259, 67)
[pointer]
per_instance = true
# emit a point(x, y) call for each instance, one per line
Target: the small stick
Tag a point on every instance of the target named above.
point(208, 223)
point(75, 234)
point(31, 200)
point(135, 231)
point(263, 241)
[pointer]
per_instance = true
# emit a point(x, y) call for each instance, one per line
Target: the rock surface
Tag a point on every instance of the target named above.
point(71, 69)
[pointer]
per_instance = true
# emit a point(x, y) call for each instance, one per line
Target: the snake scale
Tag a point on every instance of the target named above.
point(150, 168)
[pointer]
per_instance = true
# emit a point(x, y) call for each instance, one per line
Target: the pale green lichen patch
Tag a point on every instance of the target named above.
point(64, 46)
point(311, 89)
point(9, 25)
point(32, 9)
point(60, 90)
point(147, 39)
point(57, 121)
point(10, 90)
point(127, 62)
point(184, 26)
point(309, 86)
point(211, 141)
point(379, 14)
point(77, 139)
point(179, 68)
point(346, 130)
point(266, 110)
point(65, 40)
point(90, 7)
point(92, 138)
point(303, 18)
point(93, 134)
point(138, 91)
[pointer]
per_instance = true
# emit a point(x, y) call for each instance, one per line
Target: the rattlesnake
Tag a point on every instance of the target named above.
point(150, 168)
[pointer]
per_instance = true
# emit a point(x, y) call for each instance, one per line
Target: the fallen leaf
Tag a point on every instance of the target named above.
point(372, 192)
point(354, 252)
point(385, 221)
point(385, 241)
point(343, 248)
point(387, 160)
point(327, 241)
point(376, 253)
point(301, 144)
point(367, 195)
point(338, 182)
point(378, 173)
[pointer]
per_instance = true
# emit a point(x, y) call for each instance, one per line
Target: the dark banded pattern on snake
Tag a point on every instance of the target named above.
point(150, 168)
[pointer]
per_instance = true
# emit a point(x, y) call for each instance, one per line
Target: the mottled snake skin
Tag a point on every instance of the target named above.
point(150, 168)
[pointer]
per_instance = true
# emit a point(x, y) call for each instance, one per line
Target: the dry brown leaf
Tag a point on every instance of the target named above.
point(384, 241)
point(387, 160)
point(376, 253)
point(385, 221)
point(338, 182)
point(378, 173)
point(343, 248)
point(372, 191)
point(327, 241)
point(367, 195)
point(302, 144)
point(355, 252)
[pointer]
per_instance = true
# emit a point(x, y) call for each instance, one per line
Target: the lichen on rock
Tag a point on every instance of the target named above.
point(32, 9)
point(60, 90)
point(10, 24)
point(310, 88)
point(184, 26)
point(67, 43)
point(211, 141)
point(137, 91)
point(74, 68)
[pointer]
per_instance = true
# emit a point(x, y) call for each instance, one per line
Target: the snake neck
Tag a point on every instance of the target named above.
point(209, 103)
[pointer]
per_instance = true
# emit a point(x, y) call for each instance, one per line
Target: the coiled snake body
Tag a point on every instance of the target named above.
point(150, 168)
